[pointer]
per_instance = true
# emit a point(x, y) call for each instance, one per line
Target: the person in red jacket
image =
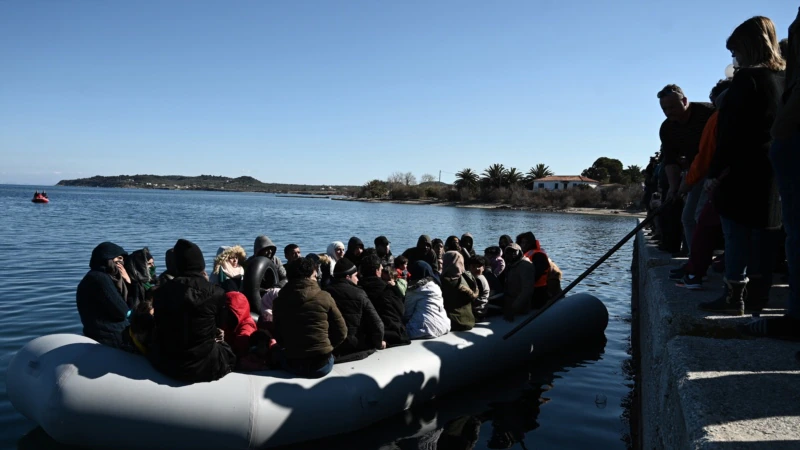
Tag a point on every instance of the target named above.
point(239, 328)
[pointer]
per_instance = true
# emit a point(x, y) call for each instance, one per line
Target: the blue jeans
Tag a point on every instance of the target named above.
point(748, 251)
point(785, 157)
point(306, 368)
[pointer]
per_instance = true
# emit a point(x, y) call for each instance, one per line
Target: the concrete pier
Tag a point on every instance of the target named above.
point(703, 385)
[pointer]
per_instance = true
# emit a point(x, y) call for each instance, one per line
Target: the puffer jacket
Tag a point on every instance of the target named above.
point(425, 316)
point(308, 323)
point(238, 323)
point(101, 305)
point(188, 311)
point(390, 307)
point(364, 325)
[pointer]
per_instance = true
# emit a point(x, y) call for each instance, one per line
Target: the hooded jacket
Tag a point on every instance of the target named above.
point(424, 315)
point(238, 324)
point(188, 311)
point(390, 307)
point(518, 294)
point(364, 325)
point(352, 244)
point(307, 322)
point(467, 243)
point(421, 253)
point(223, 270)
point(136, 266)
point(263, 242)
point(100, 298)
point(459, 290)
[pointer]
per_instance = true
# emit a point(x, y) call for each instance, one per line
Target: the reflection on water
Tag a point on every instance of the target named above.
point(550, 403)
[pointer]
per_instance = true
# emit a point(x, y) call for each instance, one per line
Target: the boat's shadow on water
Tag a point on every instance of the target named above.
point(508, 403)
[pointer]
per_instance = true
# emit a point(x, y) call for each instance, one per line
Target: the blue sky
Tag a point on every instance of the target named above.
point(340, 92)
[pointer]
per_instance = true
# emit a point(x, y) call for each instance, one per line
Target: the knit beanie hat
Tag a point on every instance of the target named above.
point(343, 268)
point(188, 258)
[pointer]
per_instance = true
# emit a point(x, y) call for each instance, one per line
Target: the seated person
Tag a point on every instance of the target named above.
point(308, 325)
point(101, 296)
point(188, 309)
point(438, 249)
point(425, 316)
point(477, 264)
point(355, 250)
point(401, 267)
point(237, 324)
point(422, 252)
point(291, 252)
point(459, 290)
point(169, 260)
point(389, 305)
point(364, 325)
point(136, 265)
point(263, 246)
point(518, 295)
point(228, 271)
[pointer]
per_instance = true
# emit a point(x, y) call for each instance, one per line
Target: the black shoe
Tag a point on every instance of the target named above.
point(691, 282)
point(731, 302)
point(756, 296)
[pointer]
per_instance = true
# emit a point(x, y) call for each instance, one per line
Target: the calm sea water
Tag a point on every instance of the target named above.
point(576, 399)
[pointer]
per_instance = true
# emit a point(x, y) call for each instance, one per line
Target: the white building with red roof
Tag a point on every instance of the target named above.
point(561, 182)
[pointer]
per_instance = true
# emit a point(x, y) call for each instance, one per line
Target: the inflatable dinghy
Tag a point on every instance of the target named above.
point(89, 395)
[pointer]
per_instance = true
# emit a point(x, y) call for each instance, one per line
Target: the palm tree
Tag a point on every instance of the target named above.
point(539, 171)
point(514, 177)
point(467, 178)
point(495, 175)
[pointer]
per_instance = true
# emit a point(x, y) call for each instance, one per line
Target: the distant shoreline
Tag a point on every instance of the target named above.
point(507, 207)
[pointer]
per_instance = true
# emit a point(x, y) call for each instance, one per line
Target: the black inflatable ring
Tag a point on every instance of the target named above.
point(258, 268)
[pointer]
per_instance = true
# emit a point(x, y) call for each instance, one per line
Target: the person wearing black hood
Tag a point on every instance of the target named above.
point(355, 250)
point(101, 296)
point(364, 325)
point(188, 312)
point(388, 303)
point(384, 251)
point(422, 252)
point(466, 246)
point(136, 264)
point(169, 260)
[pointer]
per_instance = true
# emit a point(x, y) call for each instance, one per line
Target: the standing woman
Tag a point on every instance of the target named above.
point(741, 176)
point(785, 157)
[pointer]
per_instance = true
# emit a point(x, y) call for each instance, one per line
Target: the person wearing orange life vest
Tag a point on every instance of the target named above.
point(532, 251)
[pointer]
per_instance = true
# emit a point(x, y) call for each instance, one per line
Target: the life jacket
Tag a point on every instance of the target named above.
point(541, 279)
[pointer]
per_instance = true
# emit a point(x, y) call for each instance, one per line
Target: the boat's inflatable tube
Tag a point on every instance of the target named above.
point(86, 394)
point(258, 268)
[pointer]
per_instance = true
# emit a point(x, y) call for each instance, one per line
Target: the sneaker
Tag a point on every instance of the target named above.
point(691, 282)
point(731, 302)
point(678, 274)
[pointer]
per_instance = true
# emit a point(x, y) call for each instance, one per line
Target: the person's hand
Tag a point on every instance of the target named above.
point(671, 193)
point(220, 335)
point(123, 273)
point(383, 345)
point(391, 282)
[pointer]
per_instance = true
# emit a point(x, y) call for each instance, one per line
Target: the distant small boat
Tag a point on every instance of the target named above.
point(39, 198)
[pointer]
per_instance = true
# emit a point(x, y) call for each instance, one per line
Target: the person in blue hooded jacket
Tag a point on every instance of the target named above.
point(101, 296)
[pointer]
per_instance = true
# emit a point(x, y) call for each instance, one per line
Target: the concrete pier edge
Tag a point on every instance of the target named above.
point(701, 384)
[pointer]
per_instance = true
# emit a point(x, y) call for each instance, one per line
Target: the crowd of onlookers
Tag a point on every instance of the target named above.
point(726, 178)
point(256, 313)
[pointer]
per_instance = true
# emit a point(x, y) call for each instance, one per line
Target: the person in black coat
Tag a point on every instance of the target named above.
point(364, 325)
point(744, 192)
point(101, 296)
point(387, 302)
point(422, 252)
point(188, 312)
point(355, 250)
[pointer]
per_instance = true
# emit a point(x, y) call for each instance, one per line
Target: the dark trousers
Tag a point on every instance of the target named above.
point(707, 236)
point(785, 157)
point(671, 225)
